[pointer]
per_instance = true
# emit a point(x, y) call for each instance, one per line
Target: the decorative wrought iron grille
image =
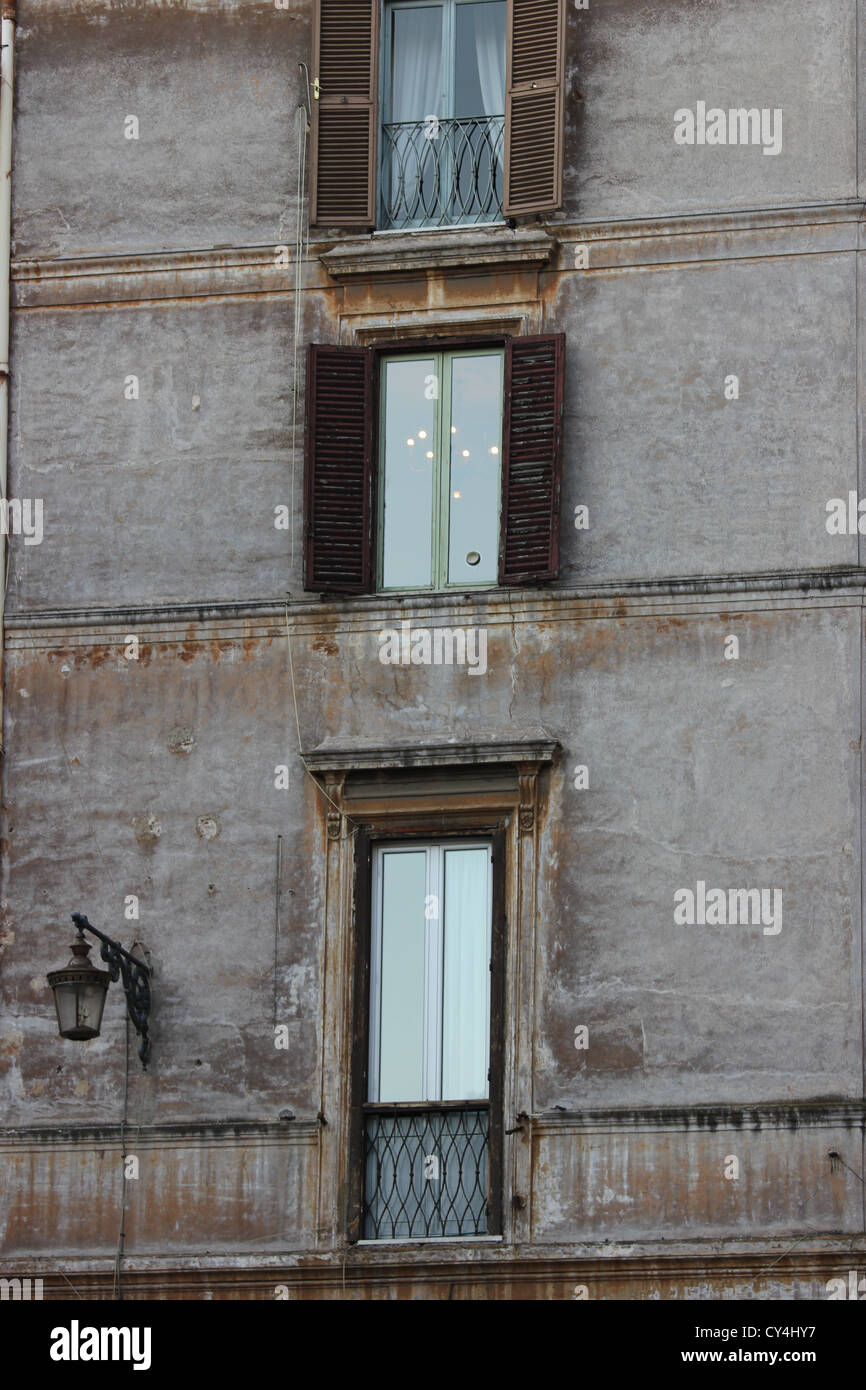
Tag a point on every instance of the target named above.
point(441, 172)
point(426, 1173)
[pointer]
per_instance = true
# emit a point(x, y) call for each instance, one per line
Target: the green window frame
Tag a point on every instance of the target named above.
point(443, 463)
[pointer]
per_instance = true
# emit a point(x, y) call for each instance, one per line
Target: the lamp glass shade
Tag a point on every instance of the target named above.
point(79, 994)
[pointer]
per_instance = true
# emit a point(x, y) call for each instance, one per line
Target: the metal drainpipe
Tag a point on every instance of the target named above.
point(7, 71)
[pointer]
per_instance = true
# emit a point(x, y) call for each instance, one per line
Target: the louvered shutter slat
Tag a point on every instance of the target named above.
point(534, 105)
point(338, 478)
point(531, 460)
point(343, 164)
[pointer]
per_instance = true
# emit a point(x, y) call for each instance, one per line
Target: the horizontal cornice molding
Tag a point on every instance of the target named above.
point(115, 279)
point(646, 243)
point(528, 746)
point(192, 1134)
point(112, 280)
point(770, 1115)
point(697, 1119)
point(443, 1262)
point(310, 616)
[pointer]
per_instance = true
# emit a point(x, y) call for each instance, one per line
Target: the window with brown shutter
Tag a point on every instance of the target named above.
point(343, 172)
point(338, 481)
point(427, 159)
point(531, 459)
point(341, 478)
point(534, 102)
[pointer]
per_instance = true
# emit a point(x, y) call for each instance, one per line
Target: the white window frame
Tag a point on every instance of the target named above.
point(433, 961)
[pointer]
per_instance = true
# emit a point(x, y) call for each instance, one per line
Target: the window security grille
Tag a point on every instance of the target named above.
point(442, 172)
point(425, 1172)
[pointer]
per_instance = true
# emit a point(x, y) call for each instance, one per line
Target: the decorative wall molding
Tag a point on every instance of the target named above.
point(615, 244)
point(646, 244)
point(194, 1134)
point(445, 1269)
point(310, 616)
point(697, 1119)
point(112, 281)
point(527, 780)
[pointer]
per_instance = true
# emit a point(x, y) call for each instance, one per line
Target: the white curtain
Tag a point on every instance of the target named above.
point(416, 80)
point(416, 92)
point(489, 21)
point(490, 55)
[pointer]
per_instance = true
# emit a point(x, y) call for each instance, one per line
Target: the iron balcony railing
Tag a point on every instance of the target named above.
point(426, 1172)
point(438, 173)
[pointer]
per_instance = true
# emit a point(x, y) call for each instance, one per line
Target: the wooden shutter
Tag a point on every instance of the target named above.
point(534, 101)
point(531, 459)
point(338, 479)
point(343, 168)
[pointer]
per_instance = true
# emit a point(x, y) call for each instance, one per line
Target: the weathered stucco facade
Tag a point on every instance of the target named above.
point(160, 258)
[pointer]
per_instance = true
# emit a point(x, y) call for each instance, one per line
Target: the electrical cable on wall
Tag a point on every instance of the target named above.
point(302, 236)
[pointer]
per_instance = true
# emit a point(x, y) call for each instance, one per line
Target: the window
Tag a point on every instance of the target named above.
point(443, 105)
point(429, 801)
point(433, 469)
point(439, 471)
point(430, 991)
point(375, 156)
point(427, 1116)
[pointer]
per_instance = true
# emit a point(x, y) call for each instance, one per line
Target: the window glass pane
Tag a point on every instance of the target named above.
point(401, 1033)
point(416, 63)
point(476, 441)
point(479, 88)
point(466, 994)
point(408, 486)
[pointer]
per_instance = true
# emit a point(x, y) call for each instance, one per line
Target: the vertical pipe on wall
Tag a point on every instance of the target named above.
point(277, 880)
point(7, 68)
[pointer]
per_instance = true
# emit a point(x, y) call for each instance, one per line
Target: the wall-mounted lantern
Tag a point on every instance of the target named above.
point(80, 988)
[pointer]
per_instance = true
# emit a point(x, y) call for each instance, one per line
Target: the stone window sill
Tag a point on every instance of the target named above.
point(469, 248)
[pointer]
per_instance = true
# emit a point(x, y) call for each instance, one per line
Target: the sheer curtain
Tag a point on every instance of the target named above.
point(489, 22)
point(490, 55)
point(416, 92)
point(416, 69)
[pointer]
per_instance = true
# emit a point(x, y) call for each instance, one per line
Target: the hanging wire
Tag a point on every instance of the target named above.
point(316, 783)
point(301, 248)
point(117, 1286)
point(277, 875)
point(117, 1289)
point(836, 1160)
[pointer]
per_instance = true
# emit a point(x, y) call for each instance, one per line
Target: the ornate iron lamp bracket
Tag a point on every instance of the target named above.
point(136, 981)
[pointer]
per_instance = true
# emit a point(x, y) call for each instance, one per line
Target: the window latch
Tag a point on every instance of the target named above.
point(317, 87)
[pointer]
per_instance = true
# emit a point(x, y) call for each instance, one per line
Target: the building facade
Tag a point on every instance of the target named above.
point(440, 656)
